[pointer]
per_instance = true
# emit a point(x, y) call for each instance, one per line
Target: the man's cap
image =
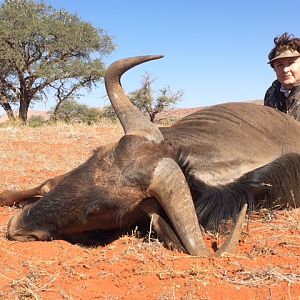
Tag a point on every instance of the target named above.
point(283, 53)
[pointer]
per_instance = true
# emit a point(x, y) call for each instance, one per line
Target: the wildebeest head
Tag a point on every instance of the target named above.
point(120, 184)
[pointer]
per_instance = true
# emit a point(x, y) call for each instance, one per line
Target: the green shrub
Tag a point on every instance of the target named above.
point(74, 112)
point(36, 121)
point(109, 113)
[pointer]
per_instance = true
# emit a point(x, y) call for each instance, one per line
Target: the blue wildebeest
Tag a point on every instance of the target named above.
point(203, 170)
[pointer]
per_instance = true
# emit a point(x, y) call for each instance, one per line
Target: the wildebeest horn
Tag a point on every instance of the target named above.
point(132, 120)
point(169, 187)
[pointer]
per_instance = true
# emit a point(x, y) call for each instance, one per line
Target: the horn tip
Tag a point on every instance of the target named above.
point(157, 56)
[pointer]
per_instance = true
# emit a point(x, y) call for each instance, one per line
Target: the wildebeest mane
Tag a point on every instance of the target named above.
point(215, 204)
point(279, 182)
point(262, 187)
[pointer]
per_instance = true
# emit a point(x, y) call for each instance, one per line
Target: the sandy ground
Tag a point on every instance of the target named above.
point(132, 266)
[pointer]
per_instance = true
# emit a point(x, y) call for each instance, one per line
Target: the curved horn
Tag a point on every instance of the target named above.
point(229, 247)
point(132, 120)
point(169, 187)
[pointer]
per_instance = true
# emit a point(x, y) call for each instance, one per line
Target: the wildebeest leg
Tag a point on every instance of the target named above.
point(163, 229)
point(12, 197)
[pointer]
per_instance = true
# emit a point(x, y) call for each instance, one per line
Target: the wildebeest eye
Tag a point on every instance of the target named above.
point(32, 238)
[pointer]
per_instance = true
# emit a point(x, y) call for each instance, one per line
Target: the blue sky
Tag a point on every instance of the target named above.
point(215, 51)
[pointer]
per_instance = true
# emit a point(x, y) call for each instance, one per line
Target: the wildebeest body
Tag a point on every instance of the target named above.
point(224, 148)
point(219, 149)
point(225, 141)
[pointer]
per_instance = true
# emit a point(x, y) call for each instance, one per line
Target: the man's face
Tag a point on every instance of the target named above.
point(288, 71)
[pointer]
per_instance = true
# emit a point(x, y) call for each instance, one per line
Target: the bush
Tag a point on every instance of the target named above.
point(109, 113)
point(73, 112)
point(36, 121)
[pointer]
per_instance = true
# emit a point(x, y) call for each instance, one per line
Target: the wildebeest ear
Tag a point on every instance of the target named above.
point(168, 185)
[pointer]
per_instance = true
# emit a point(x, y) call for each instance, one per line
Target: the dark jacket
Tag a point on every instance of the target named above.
point(290, 105)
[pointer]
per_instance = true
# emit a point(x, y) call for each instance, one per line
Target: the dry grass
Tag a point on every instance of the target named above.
point(27, 152)
point(259, 277)
point(30, 286)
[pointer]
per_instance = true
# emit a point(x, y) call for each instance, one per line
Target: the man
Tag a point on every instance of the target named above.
point(284, 58)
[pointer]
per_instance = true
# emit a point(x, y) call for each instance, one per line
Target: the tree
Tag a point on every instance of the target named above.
point(145, 100)
point(43, 49)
